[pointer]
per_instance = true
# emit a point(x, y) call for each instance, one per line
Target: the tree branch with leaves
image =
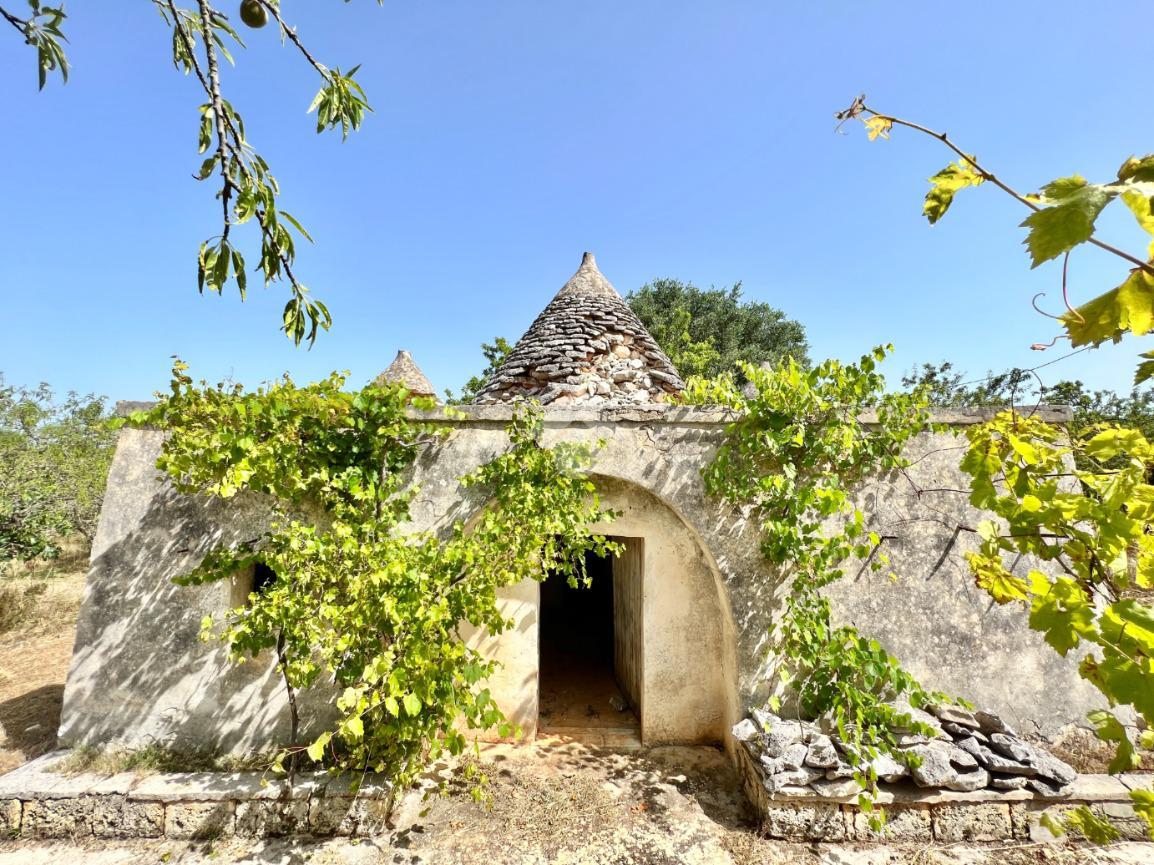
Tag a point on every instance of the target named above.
point(1063, 216)
point(248, 191)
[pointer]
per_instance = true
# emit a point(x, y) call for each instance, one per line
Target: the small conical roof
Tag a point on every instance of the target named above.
point(404, 370)
point(587, 347)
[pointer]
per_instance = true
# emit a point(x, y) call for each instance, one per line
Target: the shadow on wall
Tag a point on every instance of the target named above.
point(140, 673)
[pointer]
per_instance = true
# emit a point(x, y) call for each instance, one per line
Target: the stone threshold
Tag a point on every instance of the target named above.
point(36, 802)
point(914, 814)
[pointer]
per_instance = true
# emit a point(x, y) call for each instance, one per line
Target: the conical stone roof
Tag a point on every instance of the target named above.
point(586, 348)
point(404, 370)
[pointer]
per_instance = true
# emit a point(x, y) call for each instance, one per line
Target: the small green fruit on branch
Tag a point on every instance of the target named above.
point(1063, 217)
point(253, 14)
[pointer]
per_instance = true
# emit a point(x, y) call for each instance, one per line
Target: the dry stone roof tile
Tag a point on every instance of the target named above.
point(404, 370)
point(587, 347)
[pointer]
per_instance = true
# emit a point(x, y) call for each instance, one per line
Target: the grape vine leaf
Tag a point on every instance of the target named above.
point(878, 126)
point(1142, 206)
point(946, 183)
point(1062, 226)
point(1137, 169)
point(1130, 306)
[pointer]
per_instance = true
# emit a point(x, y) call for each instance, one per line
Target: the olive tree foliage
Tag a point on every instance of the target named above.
point(359, 599)
point(796, 452)
point(54, 458)
point(202, 37)
point(706, 332)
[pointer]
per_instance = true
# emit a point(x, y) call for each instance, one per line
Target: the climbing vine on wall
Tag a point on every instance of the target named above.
point(793, 457)
point(359, 600)
point(1094, 523)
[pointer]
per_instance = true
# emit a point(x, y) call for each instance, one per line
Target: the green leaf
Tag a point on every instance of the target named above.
point(945, 184)
point(1063, 187)
point(1129, 307)
point(412, 703)
point(1060, 227)
point(1141, 206)
point(1145, 370)
point(316, 750)
point(1138, 170)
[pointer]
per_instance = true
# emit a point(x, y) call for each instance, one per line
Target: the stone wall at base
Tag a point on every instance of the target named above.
point(946, 817)
point(37, 803)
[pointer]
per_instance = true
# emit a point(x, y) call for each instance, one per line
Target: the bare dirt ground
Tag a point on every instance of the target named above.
point(568, 804)
point(34, 653)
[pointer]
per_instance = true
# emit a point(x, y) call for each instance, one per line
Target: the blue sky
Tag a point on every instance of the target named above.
point(691, 140)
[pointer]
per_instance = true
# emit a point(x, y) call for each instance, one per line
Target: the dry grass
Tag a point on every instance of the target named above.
point(39, 601)
point(153, 759)
point(1088, 754)
point(42, 595)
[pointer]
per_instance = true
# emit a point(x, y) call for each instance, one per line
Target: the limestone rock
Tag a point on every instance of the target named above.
point(795, 755)
point(1011, 747)
point(988, 723)
point(967, 782)
point(746, 731)
point(588, 338)
point(955, 715)
point(935, 769)
point(821, 754)
point(888, 769)
point(1007, 782)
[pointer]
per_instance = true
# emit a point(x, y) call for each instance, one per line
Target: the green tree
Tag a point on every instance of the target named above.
point(202, 36)
point(708, 331)
point(54, 458)
point(495, 353)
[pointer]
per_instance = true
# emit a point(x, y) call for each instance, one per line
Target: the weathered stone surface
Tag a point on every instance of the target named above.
point(795, 754)
point(1011, 747)
point(199, 820)
point(990, 722)
point(992, 761)
point(115, 817)
point(372, 816)
point(9, 817)
point(888, 769)
point(1047, 790)
point(746, 731)
point(842, 788)
point(935, 769)
point(57, 818)
point(966, 782)
point(1050, 768)
point(604, 355)
point(336, 816)
point(821, 754)
point(1007, 782)
point(780, 736)
point(955, 715)
point(262, 818)
point(959, 731)
point(985, 822)
point(805, 823)
point(902, 825)
point(799, 777)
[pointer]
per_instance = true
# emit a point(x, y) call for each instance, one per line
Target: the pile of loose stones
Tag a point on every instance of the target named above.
point(965, 751)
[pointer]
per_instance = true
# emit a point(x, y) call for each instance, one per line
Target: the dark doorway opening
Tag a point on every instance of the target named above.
point(579, 687)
